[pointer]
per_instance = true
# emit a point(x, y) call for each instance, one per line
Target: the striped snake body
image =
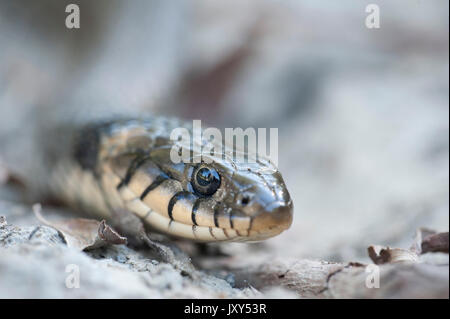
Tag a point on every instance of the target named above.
point(125, 164)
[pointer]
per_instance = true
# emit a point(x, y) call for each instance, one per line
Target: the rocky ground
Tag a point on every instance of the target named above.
point(40, 261)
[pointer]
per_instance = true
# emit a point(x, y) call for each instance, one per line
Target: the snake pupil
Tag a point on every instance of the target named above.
point(207, 181)
point(204, 176)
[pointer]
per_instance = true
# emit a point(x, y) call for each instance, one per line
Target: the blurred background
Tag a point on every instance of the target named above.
point(363, 114)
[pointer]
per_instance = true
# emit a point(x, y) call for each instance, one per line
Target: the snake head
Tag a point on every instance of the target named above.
point(252, 196)
point(226, 199)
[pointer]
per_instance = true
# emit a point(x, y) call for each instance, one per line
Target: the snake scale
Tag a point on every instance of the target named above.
point(121, 163)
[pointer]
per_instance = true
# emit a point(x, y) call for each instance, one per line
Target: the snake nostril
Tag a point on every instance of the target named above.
point(243, 199)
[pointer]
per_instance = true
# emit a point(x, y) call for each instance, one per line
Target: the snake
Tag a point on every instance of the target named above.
point(125, 164)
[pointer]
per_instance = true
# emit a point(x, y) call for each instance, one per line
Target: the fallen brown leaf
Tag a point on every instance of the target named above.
point(382, 255)
point(82, 233)
point(425, 241)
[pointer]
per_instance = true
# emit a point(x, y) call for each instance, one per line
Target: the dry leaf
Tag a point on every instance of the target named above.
point(383, 255)
point(82, 233)
point(425, 241)
point(435, 243)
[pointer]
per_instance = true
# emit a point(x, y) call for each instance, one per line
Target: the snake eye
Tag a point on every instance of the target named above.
point(206, 181)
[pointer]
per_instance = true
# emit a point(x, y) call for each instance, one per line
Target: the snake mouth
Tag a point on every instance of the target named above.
point(274, 220)
point(179, 220)
point(263, 226)
point(180, 214)
point(276, 215)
